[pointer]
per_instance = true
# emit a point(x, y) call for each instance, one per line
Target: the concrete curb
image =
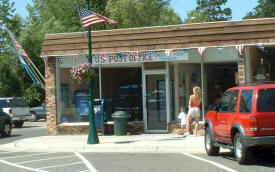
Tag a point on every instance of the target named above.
point(122, 144)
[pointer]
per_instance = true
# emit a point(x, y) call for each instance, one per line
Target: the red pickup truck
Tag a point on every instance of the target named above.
point(242, 121)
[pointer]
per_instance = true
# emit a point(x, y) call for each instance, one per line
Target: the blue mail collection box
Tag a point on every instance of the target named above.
point(99, 113)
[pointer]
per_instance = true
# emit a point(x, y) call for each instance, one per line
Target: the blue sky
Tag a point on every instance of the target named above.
point(181, 7)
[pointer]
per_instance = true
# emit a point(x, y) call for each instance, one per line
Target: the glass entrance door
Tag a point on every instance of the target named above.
point(156, 110)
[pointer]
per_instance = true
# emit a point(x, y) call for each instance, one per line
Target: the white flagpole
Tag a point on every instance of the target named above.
point(37, 70)
point(37, 77)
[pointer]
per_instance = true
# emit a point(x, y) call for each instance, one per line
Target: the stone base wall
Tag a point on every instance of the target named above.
point(132, 128)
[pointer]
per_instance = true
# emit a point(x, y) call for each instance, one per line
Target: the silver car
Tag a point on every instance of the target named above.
point(17, 108)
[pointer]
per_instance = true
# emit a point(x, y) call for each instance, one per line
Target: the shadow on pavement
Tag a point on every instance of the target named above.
point(173, 138)
point(264, 159)
point(15, 135)
point(124, 142)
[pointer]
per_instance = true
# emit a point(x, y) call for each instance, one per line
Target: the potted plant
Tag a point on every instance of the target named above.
point(82, 72)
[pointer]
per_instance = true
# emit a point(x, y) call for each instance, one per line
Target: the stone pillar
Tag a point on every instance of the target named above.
point(50, 82)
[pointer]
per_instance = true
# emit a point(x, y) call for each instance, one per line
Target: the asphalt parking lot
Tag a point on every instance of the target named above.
point(125, 162)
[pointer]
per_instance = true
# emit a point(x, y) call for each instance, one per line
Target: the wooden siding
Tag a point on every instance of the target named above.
point(163, 37)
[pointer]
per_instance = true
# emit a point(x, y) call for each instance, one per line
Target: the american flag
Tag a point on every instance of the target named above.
point(103, 57)
point(240, 49)
point(74, 57)
point(201, 50)
point(135, 53)
point(168, 52)
point(18, 46)
point(89, 18)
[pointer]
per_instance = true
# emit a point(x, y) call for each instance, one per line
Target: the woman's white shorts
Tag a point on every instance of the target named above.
point(193, 112)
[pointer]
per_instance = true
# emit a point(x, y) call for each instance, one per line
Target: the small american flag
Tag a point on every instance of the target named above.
point(150, 54)
point(201, 50)
point(59, 58)
point(89, 18)
point(186, 50)
point(103, 57)
point(74, 57)
point(220, 49)
point(168, 52)
point(135, 53)
point(240, 49)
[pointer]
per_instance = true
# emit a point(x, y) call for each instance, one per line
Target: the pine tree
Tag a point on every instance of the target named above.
point(213, 10)
point(265, 8)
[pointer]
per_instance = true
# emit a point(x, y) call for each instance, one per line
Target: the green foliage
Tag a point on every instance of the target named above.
point(56, 16)
point(132, 13)
point(213, 9)
point(265, 8)
point(14, 81)
point(195, 17)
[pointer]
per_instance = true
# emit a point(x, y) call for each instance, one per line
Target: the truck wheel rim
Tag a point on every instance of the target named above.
point(7, 129)
point(239, 147)
point(207, 141)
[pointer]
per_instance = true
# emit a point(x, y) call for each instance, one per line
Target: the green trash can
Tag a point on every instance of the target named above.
point(120, 122)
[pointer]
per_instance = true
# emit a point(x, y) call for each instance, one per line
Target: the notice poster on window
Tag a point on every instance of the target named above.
point(82, 102)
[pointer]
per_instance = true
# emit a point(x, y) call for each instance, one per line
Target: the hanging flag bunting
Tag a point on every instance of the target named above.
point(261, 46)
point(150, 54)
point(89, 18)
point(185, 50)
point(201, 50)
point(135, 53)
point(59, 58)
point(168, 52)
point(240, 49)
point(45, 59)
point(103, 57)
point(220, 49)
point(74, 57)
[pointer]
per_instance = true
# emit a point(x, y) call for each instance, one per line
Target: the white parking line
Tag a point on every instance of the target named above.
point(86, 162)
point(7, 152)
point(22, 167)
point(210, 162)
point(60, 165)
point(25, 155)
point(85, 171)
point(60, 157)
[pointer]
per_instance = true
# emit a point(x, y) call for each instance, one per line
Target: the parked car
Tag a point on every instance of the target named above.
point(17, 108)
point(243, 121)
point(5, 124)
point(38, 112)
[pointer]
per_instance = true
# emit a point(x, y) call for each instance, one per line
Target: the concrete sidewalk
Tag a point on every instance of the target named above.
point(165, 143)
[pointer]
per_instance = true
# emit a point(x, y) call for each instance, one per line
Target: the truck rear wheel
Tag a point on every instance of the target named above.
point(242, 154)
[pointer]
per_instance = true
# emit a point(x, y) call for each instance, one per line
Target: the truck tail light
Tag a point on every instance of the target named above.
point(253, 121)
point(10, 111)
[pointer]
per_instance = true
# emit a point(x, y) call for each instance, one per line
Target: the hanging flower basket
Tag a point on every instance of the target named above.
point(82, 72)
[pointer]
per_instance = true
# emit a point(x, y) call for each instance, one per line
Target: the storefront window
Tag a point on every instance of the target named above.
point(122, 90)
point(73, 98)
